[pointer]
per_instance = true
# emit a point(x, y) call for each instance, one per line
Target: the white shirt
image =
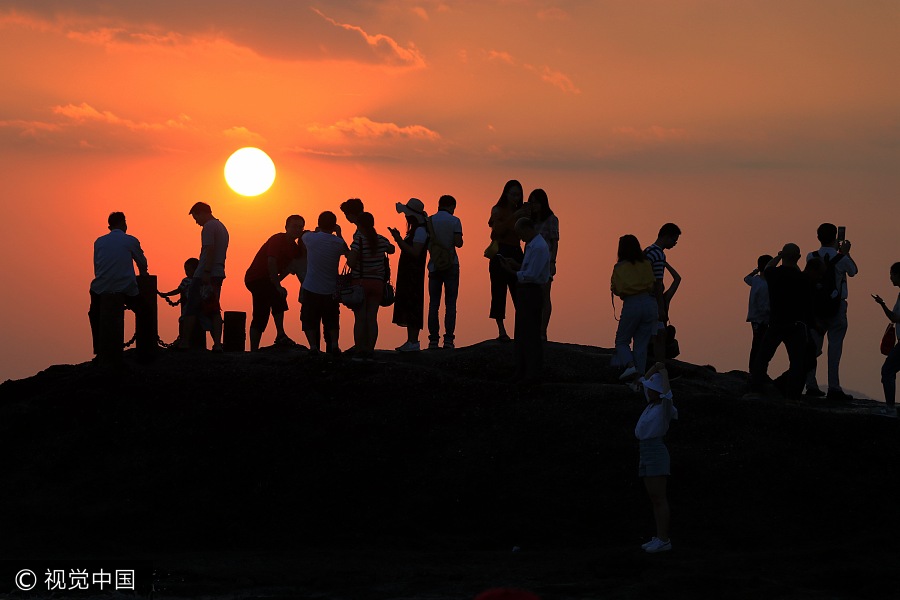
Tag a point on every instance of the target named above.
point(654, 421)
point(536, 264)
point(446, 226)
point(843, 269)
point(758, 309)
point(323, 255)
point(214, 235)
point(113, 269)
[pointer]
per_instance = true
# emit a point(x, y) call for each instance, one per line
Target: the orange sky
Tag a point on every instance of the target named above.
point(747, 123)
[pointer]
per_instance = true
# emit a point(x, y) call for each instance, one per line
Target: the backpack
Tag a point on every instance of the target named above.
point(441, 257)
point(828, 300)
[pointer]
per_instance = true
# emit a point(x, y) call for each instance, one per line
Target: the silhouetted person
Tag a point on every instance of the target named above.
point(319, 308)
point(182, 291)
point(446, 232)
point(409, 303)
point(654, 466)
point(547, 225)
point(206, 286)
point(836, 253)
point(632, 280)
point(758, 305)
point(270, 266)
point(891, 365)
point(114, 288)
point(665, 240)
point(503, 231)
point(790, 300)
point(531, 274)
point(368, 252)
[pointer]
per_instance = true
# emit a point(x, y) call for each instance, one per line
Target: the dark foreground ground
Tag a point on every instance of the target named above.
point(274, 475)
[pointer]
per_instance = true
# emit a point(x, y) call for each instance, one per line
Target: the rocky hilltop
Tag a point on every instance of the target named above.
point(278, 474)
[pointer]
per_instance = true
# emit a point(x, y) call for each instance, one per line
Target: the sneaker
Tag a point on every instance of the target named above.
point(409, 347)
point(628, 373)
point(433, 345)
point(814, 392)
point(838, 396)
point(657, 545)
point(652, 541)
point(448, 345)
point(888, 411)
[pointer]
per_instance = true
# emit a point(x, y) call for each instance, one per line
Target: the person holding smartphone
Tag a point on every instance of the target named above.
point(835, 252)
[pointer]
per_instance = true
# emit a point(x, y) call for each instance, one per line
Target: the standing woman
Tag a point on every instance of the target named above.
point(632, 281)
point(503, 237)
point(891, 365)
point(547, 225)
point(366, 260)
point(409, 305)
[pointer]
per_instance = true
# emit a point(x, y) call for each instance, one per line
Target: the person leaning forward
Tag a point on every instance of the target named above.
point(114, 287)
point(270, 266)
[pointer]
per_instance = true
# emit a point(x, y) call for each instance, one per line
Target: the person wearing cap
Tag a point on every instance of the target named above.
point(114, 287)
point(206, 285)
point(409, 303)
point(790, 317)
point(654, 465)
point(445, 230)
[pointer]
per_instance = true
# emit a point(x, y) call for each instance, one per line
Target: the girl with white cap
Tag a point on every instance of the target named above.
point(654, 463)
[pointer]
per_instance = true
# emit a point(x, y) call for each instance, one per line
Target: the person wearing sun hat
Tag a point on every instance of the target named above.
point(409, 304)
point(650, 430)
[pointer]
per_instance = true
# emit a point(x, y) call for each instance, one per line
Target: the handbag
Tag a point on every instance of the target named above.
point(888, 339)
point(492, 250)
point(387, 297)
point(349, 294)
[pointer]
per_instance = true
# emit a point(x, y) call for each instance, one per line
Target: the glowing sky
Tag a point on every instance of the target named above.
point(748, 123)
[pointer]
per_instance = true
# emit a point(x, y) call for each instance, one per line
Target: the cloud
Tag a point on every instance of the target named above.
point(365, 128)
point(496, 55)
point(83, 126)
point(384, 46)
point(288, 32)
point(555, 78)
point(243, 135)
point(420, 12)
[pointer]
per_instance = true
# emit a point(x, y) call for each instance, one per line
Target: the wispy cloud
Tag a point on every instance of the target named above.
point(365, 128)
point(243, 135)
point(557, 79)
point(383, 45)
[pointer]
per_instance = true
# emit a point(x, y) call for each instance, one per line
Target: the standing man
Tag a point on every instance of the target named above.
point(324, 249)
point(790, 317)
point(655, 253)
point(835, 253)
point(206, 285)
point(114, 287)
point(270, 266)
point(531, 275)
point(445, 232)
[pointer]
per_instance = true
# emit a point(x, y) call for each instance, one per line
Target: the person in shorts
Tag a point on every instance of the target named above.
point(654, 462)
point(319, 309)
point(206, 285)
point(272, 263)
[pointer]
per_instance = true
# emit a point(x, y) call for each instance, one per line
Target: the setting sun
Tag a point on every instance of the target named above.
point(249, 172)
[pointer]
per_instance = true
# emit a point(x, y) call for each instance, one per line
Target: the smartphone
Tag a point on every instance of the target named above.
point(842, 233)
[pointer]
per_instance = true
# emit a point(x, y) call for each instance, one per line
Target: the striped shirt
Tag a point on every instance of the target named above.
point(657, 258)
point(371, 265)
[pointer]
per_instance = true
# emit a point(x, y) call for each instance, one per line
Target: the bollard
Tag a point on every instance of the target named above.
point(146, 319)
point(234, 331)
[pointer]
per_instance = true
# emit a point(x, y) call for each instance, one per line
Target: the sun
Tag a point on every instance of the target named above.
point(249, 172)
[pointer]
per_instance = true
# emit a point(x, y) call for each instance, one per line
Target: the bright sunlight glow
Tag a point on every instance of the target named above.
point(249, 172)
